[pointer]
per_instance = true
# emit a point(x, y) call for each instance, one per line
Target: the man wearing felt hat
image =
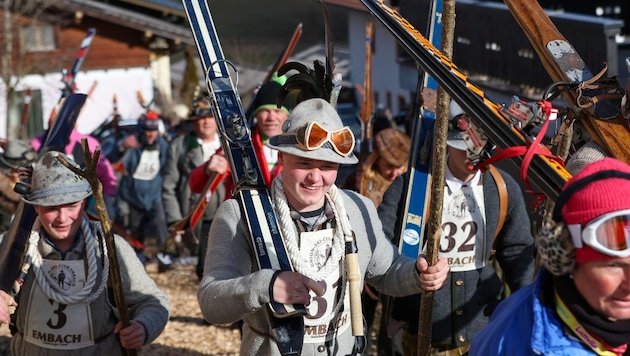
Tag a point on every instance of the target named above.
point(315, 220)
point(473, 225)
point(17, 154)
point(185, 153)
point(64, 304)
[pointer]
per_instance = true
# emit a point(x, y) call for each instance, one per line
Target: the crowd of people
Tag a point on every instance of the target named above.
point(489, 299)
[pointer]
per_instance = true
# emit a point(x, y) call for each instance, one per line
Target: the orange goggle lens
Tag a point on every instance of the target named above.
point(614, 233)
point(313, 136)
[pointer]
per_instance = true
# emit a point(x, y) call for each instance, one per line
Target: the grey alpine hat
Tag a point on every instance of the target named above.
point(53, 184)
point(454, 139)
point(17, 154)
point(314, 130)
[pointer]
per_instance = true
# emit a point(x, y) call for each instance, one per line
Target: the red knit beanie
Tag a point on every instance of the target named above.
point(603, 193)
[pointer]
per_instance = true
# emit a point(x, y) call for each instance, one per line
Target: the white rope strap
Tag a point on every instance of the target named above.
point(290, 233)
point(49, 286)
point(291, 238)
point(340, 212)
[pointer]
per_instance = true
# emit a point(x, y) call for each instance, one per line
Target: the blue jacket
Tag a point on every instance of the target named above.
point(522, 325)
point(142, 194)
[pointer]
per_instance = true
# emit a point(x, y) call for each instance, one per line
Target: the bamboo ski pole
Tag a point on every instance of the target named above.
point(366, 107)
point(438, 167)
point(24, 116)
point(89, 174)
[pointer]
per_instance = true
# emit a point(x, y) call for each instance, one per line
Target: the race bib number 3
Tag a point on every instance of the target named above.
point(53, 325)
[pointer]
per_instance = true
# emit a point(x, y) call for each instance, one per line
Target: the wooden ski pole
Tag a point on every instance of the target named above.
point(438, 169)
point(366, 108)
point(89, 174)
point(24, 116)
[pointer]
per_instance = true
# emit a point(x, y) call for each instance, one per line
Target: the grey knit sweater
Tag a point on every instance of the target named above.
point(146, 303)
point(232, 288)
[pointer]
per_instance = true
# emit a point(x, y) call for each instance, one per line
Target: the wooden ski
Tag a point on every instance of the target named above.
point(545, 174)
point(282, 59)
point(563, 63)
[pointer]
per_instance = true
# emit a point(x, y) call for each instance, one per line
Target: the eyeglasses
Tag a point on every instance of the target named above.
point(313, 136)
point(608, 234)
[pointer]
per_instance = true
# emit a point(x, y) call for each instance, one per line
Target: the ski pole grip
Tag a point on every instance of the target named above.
point(354, 283)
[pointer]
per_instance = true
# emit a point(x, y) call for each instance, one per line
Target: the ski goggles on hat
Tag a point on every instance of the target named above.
point(313, 136)
point(608, 234)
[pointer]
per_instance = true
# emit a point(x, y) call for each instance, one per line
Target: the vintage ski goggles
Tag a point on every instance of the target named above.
point(312, 136)
point(608, 234)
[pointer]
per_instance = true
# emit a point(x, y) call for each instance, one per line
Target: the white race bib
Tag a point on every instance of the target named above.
point(315, 248)
point(149, 165)
point(463, 229)
point(59, 326)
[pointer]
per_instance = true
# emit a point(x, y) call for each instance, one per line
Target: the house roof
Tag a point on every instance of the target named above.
point(351, 4)
point(166, 6)
point(132, 19)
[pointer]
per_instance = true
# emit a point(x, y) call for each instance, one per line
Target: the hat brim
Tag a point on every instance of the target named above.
point(457, 144)
point(61, 199)
point(270, 106)
point(6, 164)
point(320, 154)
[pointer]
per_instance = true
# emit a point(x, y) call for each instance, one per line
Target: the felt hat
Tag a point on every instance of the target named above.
point(53, 184)
point(17, 154)
point(393, 145)
point(321, 112)
point(454, 139)
point(200, 108)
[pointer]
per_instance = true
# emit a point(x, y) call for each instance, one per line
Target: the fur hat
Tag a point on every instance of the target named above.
point(393, 145)
point(200, 109)
point(311, 110)
point(454, 139)
point(266, 97)
point(17, 154)
point(588, 153)
point(53, 184)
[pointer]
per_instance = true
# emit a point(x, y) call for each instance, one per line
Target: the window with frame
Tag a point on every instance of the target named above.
point(38, 38)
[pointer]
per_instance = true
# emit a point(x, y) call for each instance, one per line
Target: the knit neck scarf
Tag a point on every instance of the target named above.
point(613, 333)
